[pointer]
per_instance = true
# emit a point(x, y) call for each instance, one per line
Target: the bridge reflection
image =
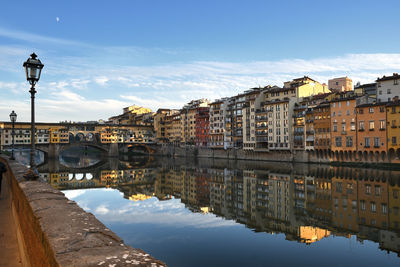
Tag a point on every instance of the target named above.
point(305, 202)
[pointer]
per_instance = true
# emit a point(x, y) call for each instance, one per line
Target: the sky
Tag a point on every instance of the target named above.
point(101, 56)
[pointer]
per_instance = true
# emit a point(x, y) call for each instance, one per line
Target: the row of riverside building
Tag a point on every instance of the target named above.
point(302, 115)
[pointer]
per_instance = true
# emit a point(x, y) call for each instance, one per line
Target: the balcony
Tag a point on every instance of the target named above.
point(263, 126)
point(344, 132)
point(263, 110)
point(263, 133)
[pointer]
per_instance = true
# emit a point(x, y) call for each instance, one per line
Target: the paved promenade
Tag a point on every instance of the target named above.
point(9, 250)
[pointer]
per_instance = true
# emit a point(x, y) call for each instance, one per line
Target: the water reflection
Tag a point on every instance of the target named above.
point(306, 203)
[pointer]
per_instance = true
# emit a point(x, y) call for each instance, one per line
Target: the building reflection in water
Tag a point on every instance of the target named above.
point(306, 203)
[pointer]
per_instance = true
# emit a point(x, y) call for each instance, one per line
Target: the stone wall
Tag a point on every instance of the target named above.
point(298, 156)
point(57, 232)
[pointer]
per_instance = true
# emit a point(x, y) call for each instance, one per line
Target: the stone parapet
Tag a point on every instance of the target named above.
point(57, 232)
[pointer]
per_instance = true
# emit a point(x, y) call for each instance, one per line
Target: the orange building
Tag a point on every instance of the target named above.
point(371, 132)
point(373, 203)
point(394, 205)
point(393, 130)
point(343, 126)
point(322, 127)
point(344, 196)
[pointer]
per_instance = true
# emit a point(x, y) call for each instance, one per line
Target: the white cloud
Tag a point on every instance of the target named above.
point(101, 80)
point(71, 194)
point(91, 91)
point(35, 38)
point(102, 210)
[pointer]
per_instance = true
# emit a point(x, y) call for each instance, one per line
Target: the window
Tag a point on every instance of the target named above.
point(349, 141)
point(361, 111)
point(335, 126)
point(348, 103)
point(338, 141)
point(371, 110)
point(343, 126)
point(367, 189)
point(373, 206)
point(339, 104)
point(381, 109)
point(366, 142)
point(362, 204)
point(361, 126)
point(377, 190)
point(380, 92)
point(347, 112)
point(389, 91)
point(382, 125)
point(334, 114)
point(376, 141)
point(394, 140)
point(371, 125)
point(384, 209)
point(334, 105)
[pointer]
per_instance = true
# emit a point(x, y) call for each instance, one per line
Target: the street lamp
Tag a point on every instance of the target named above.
point(33, 68)
point(13, 118)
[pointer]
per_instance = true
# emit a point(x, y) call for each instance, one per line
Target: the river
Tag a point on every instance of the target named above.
point(226, 213)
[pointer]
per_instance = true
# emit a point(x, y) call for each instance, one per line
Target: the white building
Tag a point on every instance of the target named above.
point(388, 88)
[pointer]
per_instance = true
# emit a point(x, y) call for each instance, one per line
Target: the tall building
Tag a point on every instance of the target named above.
point(160, 118)
point(188, 120)
point(343, 124)
point(371, 132)
point(216, 132)
point(342, 84)
point(202, 126)
point(249, 118)
point(322, 127)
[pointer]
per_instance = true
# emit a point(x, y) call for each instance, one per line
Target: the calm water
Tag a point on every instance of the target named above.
point(221, 213)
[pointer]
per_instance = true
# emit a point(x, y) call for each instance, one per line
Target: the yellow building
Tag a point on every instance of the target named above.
point(59, 135)
point(305, 86)
point(139, 197)
point(137, 110)
point(394, 206)
point(393, 128)
point(310, 234)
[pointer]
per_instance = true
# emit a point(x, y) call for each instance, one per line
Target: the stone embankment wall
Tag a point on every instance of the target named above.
point(239, 154)
point(298, 156)
point(57, 232)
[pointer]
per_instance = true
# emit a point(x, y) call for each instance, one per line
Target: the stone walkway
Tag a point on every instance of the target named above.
point(9, 249)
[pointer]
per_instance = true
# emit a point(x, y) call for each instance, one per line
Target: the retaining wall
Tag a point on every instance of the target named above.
point(57, 232)
point(299, 156)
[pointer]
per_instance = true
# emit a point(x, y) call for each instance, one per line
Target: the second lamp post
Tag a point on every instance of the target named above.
point(13, 118)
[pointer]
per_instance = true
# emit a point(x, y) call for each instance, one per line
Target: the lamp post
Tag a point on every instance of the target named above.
point(33, 68)
point(13, 118)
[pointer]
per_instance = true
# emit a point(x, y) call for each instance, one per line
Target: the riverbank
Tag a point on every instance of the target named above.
point(296, 156)
point(57, 232)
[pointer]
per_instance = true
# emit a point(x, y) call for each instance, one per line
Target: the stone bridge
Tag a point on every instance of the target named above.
point(53, 150)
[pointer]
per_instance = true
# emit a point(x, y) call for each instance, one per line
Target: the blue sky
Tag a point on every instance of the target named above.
point(100, 56)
